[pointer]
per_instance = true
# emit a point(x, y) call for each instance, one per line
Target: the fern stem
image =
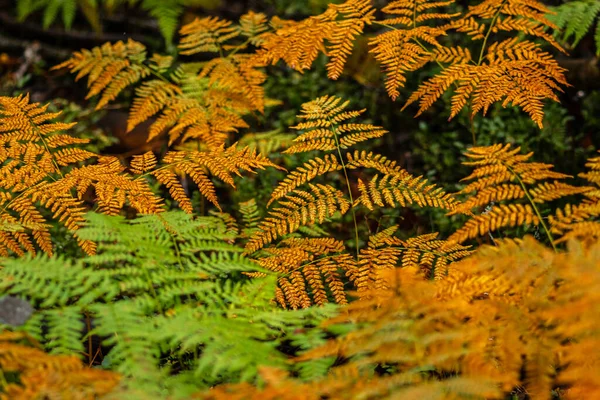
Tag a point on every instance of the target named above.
point(339, 151)
point(487, 35)
point(535, 208)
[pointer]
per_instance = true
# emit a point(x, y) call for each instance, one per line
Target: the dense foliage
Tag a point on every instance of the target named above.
point(272, 240)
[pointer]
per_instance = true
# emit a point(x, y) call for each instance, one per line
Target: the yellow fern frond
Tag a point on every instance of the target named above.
point(305, 173)
point(110, 68)
point(498, 217)
point(253, 26)
point(143, 163)
point(206, 35)
point(501, 174)
point(298, 44)
point(41, 375)
point(404, 190)
point(151, 97)
point(326, 128)
point(424, 254)
point(222, 163)
point(299, 208)
point(317, 260)
point(236, 74)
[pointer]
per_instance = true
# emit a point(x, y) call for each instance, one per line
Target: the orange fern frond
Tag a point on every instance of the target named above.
point(404, 190)
point(298, 208)
point(206, 35)
point(326, 127)
point(43, 376)
point(502, 174)
point(424, 254)
point(222, 163)
point(317, 260)
point(110, 68)
point(299, 43)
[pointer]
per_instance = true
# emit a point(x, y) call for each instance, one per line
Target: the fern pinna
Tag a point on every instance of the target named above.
point(312, 267)
point(513, 70)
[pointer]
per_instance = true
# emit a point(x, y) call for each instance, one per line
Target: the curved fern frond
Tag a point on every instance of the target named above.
point(575, 19)
point(326, 125)
point(110, 68)
point(310, 270)
point(299, 43)
point(298, 208)
point(404, 190)
point(206, 35)
point(502, 174)
point(424, 254)
point(43, 375)
point(580, 220)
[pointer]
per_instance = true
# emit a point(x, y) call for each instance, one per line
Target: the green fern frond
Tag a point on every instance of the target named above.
point(576, 19)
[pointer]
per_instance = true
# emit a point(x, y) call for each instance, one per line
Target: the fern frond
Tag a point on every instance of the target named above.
point(206, 35)
point(325, 126)
point(151, 97)
point(424, 254)
point(42, 375)
point(143, 163)
point(237, 74)
point(308, 266)
point(250, 217)
point(110, 68)
point(501, 175)
point(253, 26)
point(299, 43)
point(404, 190)
point(499, 217)
point(575, 19)
point(267, 142)
point(298, 208)
point(222, 163)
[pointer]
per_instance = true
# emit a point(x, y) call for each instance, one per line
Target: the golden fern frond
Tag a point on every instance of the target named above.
point(143, 163)
point(110, 68)
point(299, 43)
point(305, 173)
point(315, 261)
point(267, 142)
point(526, 16)
point(424, 254)
point(497, 167)
point(593, 175)
point(400, 50)
point(298, 208)
point(253, 26)
point(112, 185)
point(222, 163)
point(501, 174)
point(206, 35)
point(41, 375)
point(577, 221)
point(498, 217)
point(403, 189)
point(326, 127)
point(151, 97)
point(513, 71)
point(516, 72)
point(237, 74)
point(33, 150)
